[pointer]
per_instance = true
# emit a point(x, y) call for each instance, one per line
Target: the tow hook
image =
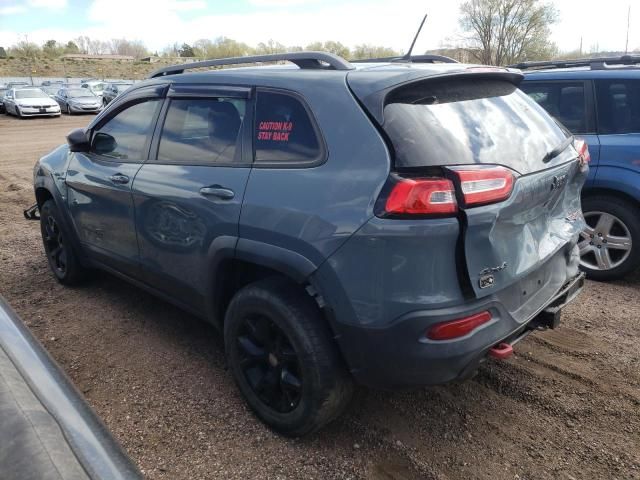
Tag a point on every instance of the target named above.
point(501, 351)
point(32, 213)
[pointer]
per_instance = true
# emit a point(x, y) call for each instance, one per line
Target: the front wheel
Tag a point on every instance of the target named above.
point(610, 245)
point(61, 256)
point(284, 359)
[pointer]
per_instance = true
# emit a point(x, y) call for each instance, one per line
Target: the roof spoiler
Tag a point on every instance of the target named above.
point(304, 60)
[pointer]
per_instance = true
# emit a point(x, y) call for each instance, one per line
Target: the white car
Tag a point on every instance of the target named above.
point(28, 102)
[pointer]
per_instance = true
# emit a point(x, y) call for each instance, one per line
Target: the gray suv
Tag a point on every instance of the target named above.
point(388, 223)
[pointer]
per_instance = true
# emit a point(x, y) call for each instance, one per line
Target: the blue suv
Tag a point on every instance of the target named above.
point(598, 100)
point(392, 222)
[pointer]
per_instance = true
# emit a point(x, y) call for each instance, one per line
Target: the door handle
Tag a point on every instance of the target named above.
point(119, 179)
point(217, 191)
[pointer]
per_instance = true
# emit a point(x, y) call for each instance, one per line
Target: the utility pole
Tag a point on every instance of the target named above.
point(580, 46)
point(626, 45)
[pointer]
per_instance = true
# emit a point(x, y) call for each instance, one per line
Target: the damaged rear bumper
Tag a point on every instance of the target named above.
point(400, 355)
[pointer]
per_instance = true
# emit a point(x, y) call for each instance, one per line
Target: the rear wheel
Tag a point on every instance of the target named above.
point(610, 245)
point(284, 359)
point(61, 256)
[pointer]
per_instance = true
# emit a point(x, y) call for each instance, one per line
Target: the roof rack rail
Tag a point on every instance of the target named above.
point(596, 63)
point(412, 59)
point(304, 60)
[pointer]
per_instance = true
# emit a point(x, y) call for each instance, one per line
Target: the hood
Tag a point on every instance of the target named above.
point(30, 102)
point(85, 100)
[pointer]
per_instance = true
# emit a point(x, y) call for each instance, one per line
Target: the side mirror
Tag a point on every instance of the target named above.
point(78, 140)
point(104, 143)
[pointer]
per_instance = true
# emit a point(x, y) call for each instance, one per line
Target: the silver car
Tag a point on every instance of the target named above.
point(29, 102)
point(78, 100)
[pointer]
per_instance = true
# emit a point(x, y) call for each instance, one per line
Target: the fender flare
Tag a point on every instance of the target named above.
point(225, 248)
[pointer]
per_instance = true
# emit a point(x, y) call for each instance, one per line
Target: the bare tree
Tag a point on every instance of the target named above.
point(122, 46)
point(372, 51)
point(507, 31)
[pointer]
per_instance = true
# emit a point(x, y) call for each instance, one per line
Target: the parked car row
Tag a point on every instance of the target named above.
point(22, 100)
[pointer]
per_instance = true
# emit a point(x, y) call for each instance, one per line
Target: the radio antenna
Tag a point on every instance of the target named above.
point(407, 56)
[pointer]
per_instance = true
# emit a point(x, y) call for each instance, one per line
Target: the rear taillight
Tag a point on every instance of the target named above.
point(457, 328)
point(421, 196)
point(583, 151)
point(483, 185)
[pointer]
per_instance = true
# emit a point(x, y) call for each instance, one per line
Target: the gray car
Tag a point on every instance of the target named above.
point(77, 100)
point(30, 102)
point(112, 90)
point(391, 223)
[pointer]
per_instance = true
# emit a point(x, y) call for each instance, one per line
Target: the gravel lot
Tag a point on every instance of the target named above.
point(566, 406)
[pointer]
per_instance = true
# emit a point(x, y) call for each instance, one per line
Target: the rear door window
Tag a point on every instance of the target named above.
point(202, 131)
point(457, 122)
point(563, 100)
point(618, 106)
point(285, 132)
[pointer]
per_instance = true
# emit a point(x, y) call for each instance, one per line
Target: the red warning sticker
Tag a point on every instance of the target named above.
point(275, 131)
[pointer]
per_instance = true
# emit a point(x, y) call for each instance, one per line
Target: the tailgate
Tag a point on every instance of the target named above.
point(506, 241)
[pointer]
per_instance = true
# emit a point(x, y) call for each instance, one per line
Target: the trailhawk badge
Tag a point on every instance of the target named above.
point(487, 279)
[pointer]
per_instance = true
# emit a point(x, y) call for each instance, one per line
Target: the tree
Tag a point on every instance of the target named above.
point(186, 51)
point(121, 46)
point(71, 47)
point(366, 50)
point(330, 46)
point(221, 47)
point(3, 53)
point(52, 49)
point(270, 46)
point(508, 31)
point(25, 49)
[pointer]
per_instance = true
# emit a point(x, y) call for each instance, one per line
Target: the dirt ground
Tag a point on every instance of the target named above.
point(566, 406)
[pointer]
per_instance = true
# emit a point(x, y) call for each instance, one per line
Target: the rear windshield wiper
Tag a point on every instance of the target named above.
point(558, 150)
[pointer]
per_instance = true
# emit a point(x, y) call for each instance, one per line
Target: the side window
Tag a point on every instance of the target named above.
point(202, 130)
point(124, 136)
point(284, 132)
point(563, 100)
point(618, 106)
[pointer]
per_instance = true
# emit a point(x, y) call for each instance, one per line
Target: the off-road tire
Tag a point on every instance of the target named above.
point(326, 388)
point(64, 264)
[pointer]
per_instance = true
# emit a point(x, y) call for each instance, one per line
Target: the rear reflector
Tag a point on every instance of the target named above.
point(422, 196)
point(457, 328)
point(583, 150)
point(482, 185)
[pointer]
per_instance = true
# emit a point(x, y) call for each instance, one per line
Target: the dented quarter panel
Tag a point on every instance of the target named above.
point(508, 240)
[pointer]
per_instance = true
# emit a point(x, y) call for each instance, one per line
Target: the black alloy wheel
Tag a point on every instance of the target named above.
point(54, 245)
point(269, 363)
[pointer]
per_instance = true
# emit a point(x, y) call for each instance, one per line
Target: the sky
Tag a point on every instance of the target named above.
point(158, 23)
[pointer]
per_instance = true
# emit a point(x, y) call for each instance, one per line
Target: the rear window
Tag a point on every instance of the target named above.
point(285, 132)
point(461, 122)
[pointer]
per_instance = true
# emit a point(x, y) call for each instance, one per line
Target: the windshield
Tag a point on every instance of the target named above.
point(31, 94)
point(98, 87)
point(466, 122)
point(80, 92)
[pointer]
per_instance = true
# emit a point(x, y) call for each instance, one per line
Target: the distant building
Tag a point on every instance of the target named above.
point(174, 60)
point(82, 56)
